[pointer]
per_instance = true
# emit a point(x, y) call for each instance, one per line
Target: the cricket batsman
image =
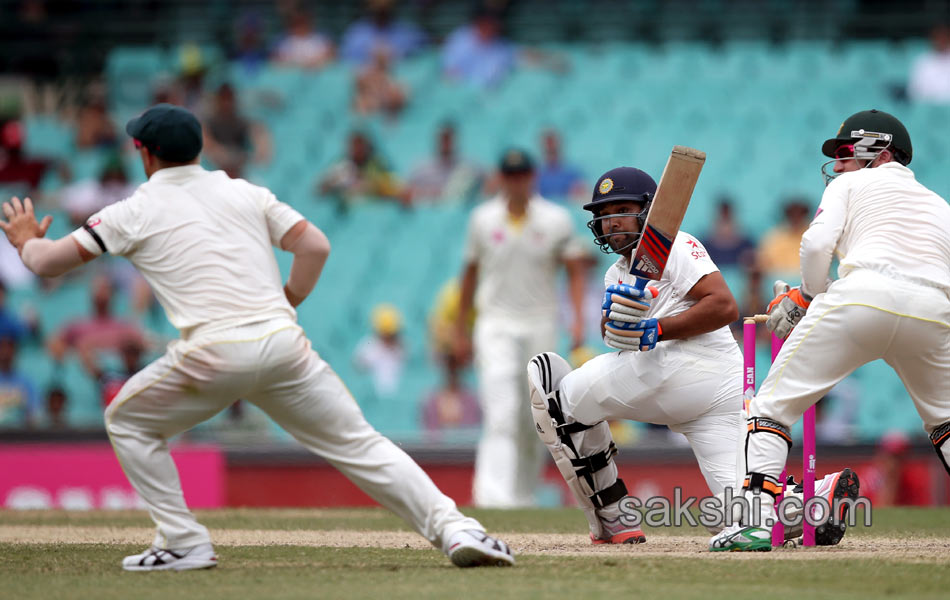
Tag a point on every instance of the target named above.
point(204, 243)
point(684, 370)
point(891, 301)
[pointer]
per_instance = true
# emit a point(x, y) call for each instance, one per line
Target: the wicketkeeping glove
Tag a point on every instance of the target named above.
point(786, 309)
point(641, 336)
point(627, 304)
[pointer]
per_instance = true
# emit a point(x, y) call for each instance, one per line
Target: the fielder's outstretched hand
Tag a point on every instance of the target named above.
point(21, 224)
point(786, 309)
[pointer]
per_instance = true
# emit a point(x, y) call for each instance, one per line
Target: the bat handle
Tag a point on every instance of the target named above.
point(640, 283)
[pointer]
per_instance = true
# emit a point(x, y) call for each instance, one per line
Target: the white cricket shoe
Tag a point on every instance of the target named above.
point(474, 548)
point(201, 556)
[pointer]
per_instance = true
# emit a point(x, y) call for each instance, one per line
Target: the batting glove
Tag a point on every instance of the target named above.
point(641, 336)
point(786, 309)
point(627, 304)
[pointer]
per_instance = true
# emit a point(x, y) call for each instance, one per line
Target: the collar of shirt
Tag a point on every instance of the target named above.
point(896, 166)
point(176, 174)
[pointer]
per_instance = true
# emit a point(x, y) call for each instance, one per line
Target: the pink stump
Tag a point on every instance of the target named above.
point(778, 529)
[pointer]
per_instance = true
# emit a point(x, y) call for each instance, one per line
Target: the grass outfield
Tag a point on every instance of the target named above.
point(367, 553)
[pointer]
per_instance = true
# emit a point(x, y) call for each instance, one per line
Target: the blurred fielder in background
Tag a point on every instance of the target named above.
point(691, 382)
point(204, 243)
point(891, 301)
point(516, 242)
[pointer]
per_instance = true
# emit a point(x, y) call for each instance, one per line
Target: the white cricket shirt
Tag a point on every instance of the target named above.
point(204, 242)
point(881, 219)
point(688, 263)
point(518, 263)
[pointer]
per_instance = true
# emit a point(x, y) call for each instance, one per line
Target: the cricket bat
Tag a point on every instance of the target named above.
point(666, 214)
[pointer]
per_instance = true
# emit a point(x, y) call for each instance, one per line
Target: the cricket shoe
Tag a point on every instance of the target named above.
point(474, 548)
point(201, 556)
point(834, 486)
point(614, 531)
point(740, 538)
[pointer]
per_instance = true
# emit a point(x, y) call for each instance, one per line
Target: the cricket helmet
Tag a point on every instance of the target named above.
point(871, 131)
point(616, 185)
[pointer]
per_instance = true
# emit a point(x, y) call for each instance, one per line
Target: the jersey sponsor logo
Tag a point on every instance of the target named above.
point(94, 222)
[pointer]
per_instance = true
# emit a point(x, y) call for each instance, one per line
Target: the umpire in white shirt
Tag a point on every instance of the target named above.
point(204, 243)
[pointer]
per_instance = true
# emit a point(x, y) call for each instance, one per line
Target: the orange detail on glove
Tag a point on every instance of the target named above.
point(794, 294)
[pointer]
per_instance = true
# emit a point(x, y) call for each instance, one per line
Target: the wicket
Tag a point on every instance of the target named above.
point(808, 427)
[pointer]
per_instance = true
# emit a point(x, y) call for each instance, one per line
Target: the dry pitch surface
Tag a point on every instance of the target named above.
point(369, 553)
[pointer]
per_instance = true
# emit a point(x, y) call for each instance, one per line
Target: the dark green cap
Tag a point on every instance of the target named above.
point(874, 121)
point(169, 132)
point(515, 161)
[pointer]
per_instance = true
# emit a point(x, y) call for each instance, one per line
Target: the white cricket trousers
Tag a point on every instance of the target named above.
point(682, 384)
point(510, 456)
point(272, 365)
point(862, 317)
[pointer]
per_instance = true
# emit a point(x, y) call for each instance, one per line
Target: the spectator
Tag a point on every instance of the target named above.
point(557, 180)
point(445, 178)
point(383, 354)
point(477, 54)
point(377, 90)
point(11, 325)
point(250, 51)
point(230, 138)
point(303, 46)
point(191, 78)
point(930, 75)
point(890, 479)
point(56, 401)
point(94, 126)
point(725, 242)
point(778, 250)
point(85, 198)
point(102, 331)
point(361, 175)
point(12, 271)
point(380, 30)
point(18, 401)
point(110, 380)
point(752, 302)
point(15, 168)
point(452, 406)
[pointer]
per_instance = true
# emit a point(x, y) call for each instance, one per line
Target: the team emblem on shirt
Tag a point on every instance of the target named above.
point(606, 185)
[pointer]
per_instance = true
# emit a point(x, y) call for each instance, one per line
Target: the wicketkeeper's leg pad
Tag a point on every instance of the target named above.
point(767, 443)
point(939, 437)
point(584, 454)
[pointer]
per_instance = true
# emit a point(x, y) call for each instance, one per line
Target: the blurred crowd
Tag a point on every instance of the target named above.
point(109, 348)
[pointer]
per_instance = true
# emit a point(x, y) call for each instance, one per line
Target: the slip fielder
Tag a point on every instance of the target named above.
point(204, 243)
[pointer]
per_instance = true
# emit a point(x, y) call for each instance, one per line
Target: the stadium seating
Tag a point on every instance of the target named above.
point(759, 110)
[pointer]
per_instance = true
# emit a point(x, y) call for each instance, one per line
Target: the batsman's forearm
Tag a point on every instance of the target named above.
point(48, 258)
point(708, 314)
point(310, 251)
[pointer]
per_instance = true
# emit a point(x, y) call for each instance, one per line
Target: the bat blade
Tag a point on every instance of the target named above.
point(666, 214)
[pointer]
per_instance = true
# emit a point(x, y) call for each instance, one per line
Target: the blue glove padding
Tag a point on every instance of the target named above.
point(641, 336)
point(626, 303)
